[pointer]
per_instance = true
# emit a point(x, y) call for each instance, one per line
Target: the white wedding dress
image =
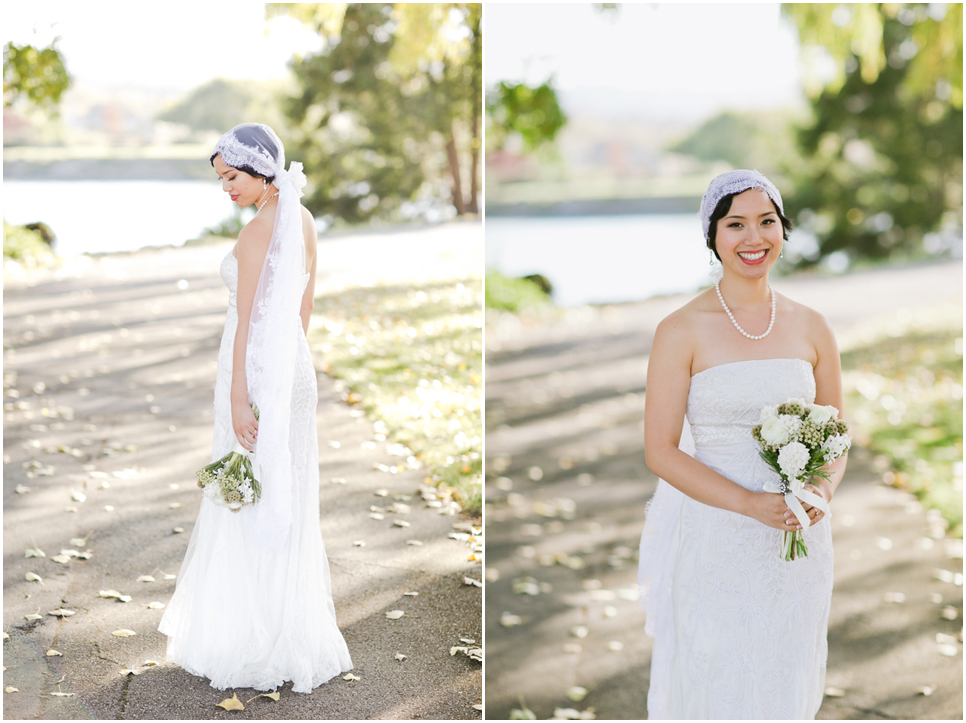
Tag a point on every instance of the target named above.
point(738, 632)
point(241, 615)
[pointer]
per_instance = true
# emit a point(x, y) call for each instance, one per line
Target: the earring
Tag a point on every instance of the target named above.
point(264, 184)
point(710, 257)
point(781, 254)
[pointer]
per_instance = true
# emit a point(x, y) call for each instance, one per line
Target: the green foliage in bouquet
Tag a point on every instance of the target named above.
point(230, 481)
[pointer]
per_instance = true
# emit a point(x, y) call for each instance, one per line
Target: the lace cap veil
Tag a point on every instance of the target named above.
point(275, 325)
point(732, 182)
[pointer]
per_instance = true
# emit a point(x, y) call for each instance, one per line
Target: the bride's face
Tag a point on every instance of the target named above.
point(749, 237)
point(243, 188)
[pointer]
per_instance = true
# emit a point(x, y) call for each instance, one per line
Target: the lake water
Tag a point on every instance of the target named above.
point(102, 216)
point(602, 259)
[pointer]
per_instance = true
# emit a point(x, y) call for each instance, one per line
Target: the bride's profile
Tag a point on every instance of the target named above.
point(739, 632)
point(253, 603)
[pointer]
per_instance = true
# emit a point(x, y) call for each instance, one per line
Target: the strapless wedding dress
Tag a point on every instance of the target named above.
point(738, 632)
point(246, 617)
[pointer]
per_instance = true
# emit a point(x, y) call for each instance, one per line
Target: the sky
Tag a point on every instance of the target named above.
point(170, 46)
point(692, 59)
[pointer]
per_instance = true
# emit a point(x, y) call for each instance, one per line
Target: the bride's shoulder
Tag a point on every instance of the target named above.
point(689, 316)
point(804, 317)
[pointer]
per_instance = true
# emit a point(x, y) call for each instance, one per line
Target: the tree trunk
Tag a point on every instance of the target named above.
point(454, 169)
point(475, 163)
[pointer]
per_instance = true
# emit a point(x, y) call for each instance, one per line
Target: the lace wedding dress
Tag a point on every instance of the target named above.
point(738, 632)
point(243, 615)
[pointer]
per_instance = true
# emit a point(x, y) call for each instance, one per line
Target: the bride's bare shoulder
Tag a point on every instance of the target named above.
point(687, 319)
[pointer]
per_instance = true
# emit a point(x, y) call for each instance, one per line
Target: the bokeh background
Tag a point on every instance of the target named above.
point(605, 123)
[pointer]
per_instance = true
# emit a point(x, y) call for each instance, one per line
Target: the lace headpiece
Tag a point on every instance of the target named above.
point(730, 183)
point(274, 328)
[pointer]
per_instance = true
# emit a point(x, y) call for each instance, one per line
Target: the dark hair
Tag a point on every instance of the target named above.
point(721, 210)
point(253, 136)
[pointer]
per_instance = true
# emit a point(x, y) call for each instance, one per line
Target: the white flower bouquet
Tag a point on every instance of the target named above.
point(232, 480)
point(797, 441)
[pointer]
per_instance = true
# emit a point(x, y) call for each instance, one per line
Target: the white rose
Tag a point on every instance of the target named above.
point(792, 459)
point(774, 431)
point(768, 412)
point(792, 424)
point(836, 445)
point(820, 415)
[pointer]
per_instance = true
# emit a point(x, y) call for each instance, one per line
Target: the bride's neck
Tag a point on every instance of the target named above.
point(746, 292)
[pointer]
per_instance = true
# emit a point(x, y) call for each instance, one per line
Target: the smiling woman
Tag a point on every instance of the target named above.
point(739, 632)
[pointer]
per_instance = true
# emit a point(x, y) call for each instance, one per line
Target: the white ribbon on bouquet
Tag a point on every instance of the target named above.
point(251, 456)
point(796, 491)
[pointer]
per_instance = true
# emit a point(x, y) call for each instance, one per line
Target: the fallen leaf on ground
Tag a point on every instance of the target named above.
point(61, 613)
point(950, 651)
point(150, 662)
point(168, 575)
point(146, 578)
point(33, 616)
point(400, 523)
point(21, 489)
point(125, 671)
point(471, 581)
point(411, 594)
point(274, 696)
point(415, 543)
point(395, 614)
point(11, 689)
point(154, 605)
point(178, 530)
point(478, 706)
point(78, 496)
point(61, 694)
point(508, 620)
point(457, 649)
point(579, 631)
point(350, 677)
point(123, 633)
point(231, 703)
point(62, 559)
point(924, 690)
point(468, 641)
point(359, 543)
point(53, 653)
point(399, 656)
point(577, 693)
point(381, 493)
point(615, 646)
point(522, 714)
point(6, 636)
point(573, 714)
point(949, 613)
point(377, 516)
point(34, 552)
point(33, 577)
point(834, 692)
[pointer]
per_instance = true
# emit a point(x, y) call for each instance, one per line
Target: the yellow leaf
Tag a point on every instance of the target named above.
point(155, 605)
point(232, 703)
point(577, 693)
point(33, 616)
point(34, 552)
point(11, 689)
point(110, 593)
point(123, 633)
point(53, 653)
point(274, 696)
point(395, 614)
point(145, 578)
point(61, 613)
point(350, 677)
point(33, 577)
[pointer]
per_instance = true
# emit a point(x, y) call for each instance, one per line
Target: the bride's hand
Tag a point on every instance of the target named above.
point(245, 425)
point(770, 509)
point(814, 513)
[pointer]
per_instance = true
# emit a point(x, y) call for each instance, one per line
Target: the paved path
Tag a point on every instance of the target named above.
point(109, 368)
point(566, 489)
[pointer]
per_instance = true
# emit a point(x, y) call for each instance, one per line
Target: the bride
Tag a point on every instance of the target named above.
point(739, 633)
point(253, 603)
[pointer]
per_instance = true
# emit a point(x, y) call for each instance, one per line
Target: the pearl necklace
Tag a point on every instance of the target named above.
point(263, 204)
point(717, 287)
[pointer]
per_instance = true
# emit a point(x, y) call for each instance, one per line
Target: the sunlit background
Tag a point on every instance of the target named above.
point(118, 159)
point(607, 122)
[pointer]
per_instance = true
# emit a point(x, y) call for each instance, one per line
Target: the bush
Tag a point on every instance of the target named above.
point(22, 244)
point(514, 295)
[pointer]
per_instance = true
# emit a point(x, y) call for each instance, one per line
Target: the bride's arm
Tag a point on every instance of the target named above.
point(668, 382)
point(251, 249)
point(828, 390)
point(311, 233)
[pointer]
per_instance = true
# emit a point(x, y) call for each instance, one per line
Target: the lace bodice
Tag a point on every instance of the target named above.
point(229, 274)
point(725, 401)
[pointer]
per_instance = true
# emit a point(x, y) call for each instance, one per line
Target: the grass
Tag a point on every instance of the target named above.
point(26, 246)
point(513, 295)
point(412, 358)
point(903, 382)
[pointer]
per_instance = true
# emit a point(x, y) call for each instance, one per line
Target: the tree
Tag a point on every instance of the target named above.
point(36, 75)
point(532, 113)
point(215, 106)
point(388, 104)
point(882, 153)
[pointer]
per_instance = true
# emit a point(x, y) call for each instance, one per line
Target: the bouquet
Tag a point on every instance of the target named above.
point(797, 441)
point(231, 481)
